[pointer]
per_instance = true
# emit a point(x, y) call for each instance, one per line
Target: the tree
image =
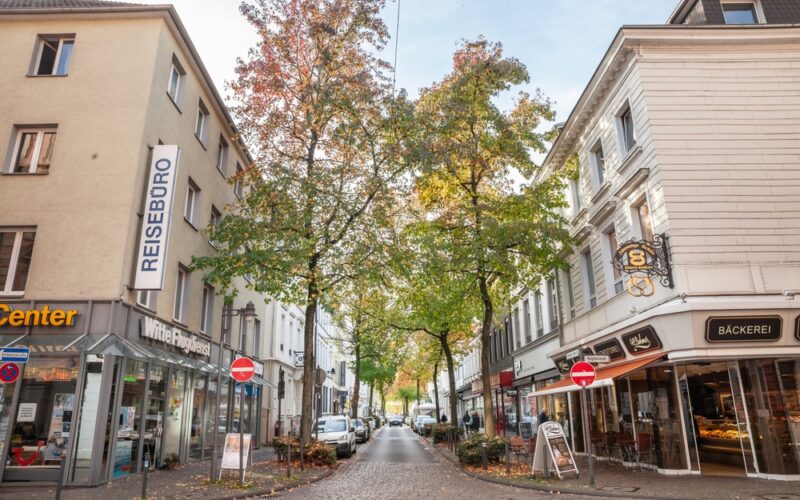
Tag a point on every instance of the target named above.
point(324, 126)
point(476, 183)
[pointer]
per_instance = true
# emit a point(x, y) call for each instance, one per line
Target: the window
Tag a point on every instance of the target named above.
point(257, 338)
point(627, 137)
point(53, 54)
point(588, 279)
point(740, 13)
point(238, 188)
point(598, 161)
point(526, 308)
point(207, 313)
point(575, 195)
point(517, 331)
point(175, 84)
point(537, 304)
point(644, 221)
point(33, 150)
point(147, 299)
point(192, 195)
point(181, 295)
point(552, 304)
point(222, 156)
point(615, 274)
point(243, 335)
point(16, 250)
point(214, 221)
point(570, 293)
point(201, 125)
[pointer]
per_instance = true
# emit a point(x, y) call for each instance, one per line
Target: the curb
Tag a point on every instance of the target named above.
point(542, 488)
point(270, 492)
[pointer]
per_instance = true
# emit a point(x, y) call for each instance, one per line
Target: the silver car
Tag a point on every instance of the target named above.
point(338, 431)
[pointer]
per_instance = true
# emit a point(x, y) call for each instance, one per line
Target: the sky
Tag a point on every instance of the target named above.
point(560, 41)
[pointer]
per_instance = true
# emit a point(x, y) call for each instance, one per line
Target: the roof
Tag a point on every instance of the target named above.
point(61, 4)
point(605, 376)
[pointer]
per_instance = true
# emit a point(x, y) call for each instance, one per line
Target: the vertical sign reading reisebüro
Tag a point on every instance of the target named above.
point(156, 220)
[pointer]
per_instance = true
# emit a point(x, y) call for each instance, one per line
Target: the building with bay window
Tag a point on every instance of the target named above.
point(117, 154)
point(687, 139)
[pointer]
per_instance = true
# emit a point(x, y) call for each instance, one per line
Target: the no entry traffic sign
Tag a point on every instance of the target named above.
point(243, 369)
point(9, 372)
point(582, 374)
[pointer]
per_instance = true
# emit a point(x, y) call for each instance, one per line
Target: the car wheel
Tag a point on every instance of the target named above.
point(349, 452)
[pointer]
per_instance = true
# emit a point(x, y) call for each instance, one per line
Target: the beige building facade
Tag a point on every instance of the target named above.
point(91, 92)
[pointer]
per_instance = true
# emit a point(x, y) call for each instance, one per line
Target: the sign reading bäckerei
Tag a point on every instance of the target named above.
point(743, 329)
point(159, 331)
point(155, 222)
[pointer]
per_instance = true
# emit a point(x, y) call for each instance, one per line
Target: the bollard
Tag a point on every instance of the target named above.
point(146, 465)
point(508, 459)
point(60, 484)
point(302, 456)
point(485, 456)
point(289, 461)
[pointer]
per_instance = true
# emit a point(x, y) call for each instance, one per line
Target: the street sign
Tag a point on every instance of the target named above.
point(243, 369)
point(319, 377)
point(299, 358)
point(15, 354)
point(582, 374)
point(575, 353)
point(596, 358)
point(9, 373)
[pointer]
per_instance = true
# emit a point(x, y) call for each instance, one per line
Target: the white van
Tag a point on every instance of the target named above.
point(338, 430)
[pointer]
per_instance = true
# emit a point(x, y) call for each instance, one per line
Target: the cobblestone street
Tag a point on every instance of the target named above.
point(397, 465)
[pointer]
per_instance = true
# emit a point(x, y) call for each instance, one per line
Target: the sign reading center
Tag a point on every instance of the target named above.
point(243, 369)
point(582, 374)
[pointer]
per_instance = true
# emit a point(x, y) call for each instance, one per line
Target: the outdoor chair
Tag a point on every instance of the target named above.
point(518, 447)
point(644, 449)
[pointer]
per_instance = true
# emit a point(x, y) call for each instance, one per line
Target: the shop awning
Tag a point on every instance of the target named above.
point(605, 376)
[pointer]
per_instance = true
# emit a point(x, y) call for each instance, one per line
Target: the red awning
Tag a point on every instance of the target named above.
point(605, 376)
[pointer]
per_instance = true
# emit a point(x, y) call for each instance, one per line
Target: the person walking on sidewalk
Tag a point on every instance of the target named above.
point(475, 423)
point(467, 421)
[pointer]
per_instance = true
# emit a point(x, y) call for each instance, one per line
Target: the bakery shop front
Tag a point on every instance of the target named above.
point(699, 392)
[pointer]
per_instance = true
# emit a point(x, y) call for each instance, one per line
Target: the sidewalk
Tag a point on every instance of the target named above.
point(186, 481)
point(612, 480)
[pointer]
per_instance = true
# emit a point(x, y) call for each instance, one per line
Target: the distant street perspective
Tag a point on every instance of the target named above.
point(393, 249)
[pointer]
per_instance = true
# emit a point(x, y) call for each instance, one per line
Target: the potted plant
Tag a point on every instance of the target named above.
point(171, 460)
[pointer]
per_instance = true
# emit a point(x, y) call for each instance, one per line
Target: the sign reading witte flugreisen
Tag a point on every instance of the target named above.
point(157, 215)
point(159, 331)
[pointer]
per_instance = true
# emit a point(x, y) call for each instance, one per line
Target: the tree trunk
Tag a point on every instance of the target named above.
point(357, 384)
point(436, 391)
point(451, 377)
point(309, 365)
point(371, 390)
point(488, 407)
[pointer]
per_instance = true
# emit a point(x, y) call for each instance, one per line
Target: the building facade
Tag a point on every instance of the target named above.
point(687, 140)
point(112, 129)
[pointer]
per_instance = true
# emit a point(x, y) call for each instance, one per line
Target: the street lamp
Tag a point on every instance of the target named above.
point(247, 312)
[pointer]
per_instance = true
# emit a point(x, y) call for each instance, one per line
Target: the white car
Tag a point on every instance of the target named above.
point(417, 427)
point(338, 431)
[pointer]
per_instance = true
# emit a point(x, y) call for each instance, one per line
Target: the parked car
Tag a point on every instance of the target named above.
point(407, 420)
point(362, 430)
point(371, 423)
point(338, 431)
point(395, 420)
point(426, 423)
point(416, 426)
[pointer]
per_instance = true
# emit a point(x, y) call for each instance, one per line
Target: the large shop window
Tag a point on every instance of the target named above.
point(43, 424)
point(154, 420)
point(126, 456)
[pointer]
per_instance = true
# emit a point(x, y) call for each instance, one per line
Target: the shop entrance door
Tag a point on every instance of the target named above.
point(716, 410)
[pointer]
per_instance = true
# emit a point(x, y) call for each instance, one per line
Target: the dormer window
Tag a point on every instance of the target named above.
point(740, 13)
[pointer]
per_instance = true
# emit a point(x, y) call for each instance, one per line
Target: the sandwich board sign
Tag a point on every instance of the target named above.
point(230, 454)
point(553, 452)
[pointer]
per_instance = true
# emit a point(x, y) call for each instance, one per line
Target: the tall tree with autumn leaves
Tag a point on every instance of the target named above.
point(325, 128)
point(493, 223)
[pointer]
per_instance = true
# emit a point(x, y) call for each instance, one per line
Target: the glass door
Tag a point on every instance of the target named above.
point(789, 379)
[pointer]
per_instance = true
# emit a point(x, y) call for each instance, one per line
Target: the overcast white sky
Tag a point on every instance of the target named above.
point(560, 41)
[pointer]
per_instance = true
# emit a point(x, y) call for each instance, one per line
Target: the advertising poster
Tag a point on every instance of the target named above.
point(122, 458)
point(230, 455)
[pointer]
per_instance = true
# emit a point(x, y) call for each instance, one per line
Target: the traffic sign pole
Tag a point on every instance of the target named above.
point(583, 375)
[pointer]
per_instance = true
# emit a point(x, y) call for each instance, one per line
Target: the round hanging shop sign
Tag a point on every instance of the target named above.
point(582, 374)
point(243, 369)
point(9, 373)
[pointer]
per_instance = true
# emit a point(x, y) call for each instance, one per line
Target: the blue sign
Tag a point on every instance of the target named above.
point(15, 354)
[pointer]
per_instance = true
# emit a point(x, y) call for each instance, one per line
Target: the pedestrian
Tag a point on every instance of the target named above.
point(444, 418)
point(467, 422)
point(475, 423)
point(543, 417)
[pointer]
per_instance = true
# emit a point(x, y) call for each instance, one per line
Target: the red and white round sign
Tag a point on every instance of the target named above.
point(582, 374)
point(243, 369)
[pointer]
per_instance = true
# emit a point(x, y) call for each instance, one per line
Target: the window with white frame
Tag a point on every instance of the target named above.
point(517, 331)
point(222, 156)
point(614, 274)
point(175, 83)
point(192, 201)
point(257, 338)
point(643, 221)
point(569, 292)
point(207, 311)
point(537, 304)
point(201, 125)
point(147, 299)
point(739, 12)
point(526, 309)
point(589, 288)
point(238, 186)
point(214, 221)
point(282, 331)
point(575, 194)
point(33, 150)
point(626, 129)
point(243, 335)
point(181, 295)
point(53, 55)
point(16, 251)
point(598, 161)
point(552, 304)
